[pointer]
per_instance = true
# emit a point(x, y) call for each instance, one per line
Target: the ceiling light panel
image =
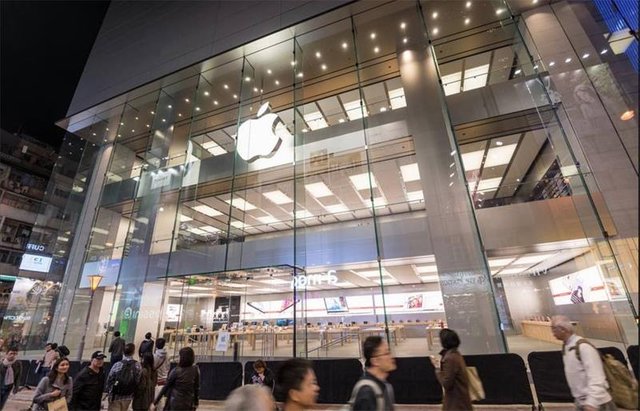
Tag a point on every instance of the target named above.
point(377, 202)
point(532, 259)
point(318, 190)
point(451, 83)
point(500, 262)
point(196, 230)
point(498, 156)
point(313, 117)
point(241, 204)
point(213, 148)
point(489, 184)
point(184, 218)
point(301, 214)
point(511, 271)
point(427, 269)
point(268, 220)
point(476, 77)
point(206, 210)
point(472, 160)
point(354, 110)
point(410, 172)
point(337, 208)
point(362, 181)
point(430, 278)
point(414, 196)
point(209, 229)
point(278, 197)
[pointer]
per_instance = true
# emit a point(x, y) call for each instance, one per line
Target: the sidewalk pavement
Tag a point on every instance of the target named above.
point(22, 401)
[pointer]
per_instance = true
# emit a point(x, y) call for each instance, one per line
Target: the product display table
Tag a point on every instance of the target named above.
point(541, 330)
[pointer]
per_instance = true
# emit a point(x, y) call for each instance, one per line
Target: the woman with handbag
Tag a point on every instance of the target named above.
point(451, 372)
point(183, 384)
point(54, 391)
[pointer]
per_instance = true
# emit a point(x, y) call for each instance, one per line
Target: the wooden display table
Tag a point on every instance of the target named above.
point(541, 330)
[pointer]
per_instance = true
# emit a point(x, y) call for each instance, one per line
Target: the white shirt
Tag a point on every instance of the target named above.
point(586, 378)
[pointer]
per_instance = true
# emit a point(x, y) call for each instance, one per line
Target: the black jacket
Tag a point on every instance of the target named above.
point(17, 374)
point(88, 388)
point(182, 389)
point(145, 346)
point(117, 347)
point(366, 398)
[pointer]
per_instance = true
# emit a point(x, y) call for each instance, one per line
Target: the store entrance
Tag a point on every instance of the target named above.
point(242, 314)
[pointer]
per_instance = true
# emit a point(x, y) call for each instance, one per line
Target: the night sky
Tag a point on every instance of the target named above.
point(43, 49)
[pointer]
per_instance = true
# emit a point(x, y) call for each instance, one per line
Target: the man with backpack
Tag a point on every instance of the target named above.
point(146, 345)
point(123, 379)
point(583, 369)
point(372, 392)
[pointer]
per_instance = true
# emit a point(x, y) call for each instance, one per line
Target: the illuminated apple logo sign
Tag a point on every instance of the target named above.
point(260, 137)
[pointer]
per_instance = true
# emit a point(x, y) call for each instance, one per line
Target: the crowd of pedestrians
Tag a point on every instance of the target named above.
point(149, 383)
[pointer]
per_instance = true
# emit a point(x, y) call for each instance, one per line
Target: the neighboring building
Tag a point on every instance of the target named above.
point(319, 171)
point(37, 218)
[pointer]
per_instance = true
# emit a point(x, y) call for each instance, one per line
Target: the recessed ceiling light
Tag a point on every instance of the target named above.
point(186, 100)
point(122, 124)
point(467, 20)
point(278, 197)
point(404, 40)
point(164, 120)
point(209, 229)
point(434, 15)
point(318, 190)
point(184, 218)
point(293, 63)
point(552, 63)
point(235, 96)
point(215, 102)
point(301, 74)
point(197, 108)
point(499, 12)
point(304, 130)
point(435, 30)
point(345, 45)
point(148, 126)
point(137, 118)
point(518, 71)
point(269, 71)
point(206, 210)
point(277, 83)
point(534, 2)
point(255, 89)
point(133, 131)
point(627, 115)
point(373, 36)
point(241, 204)
point(468, 5)
point(376, 49)
point(604, 51)
point(324, 66)
point(341, 120)
point(567, 60)
point(153, 112)
point(318, 55)
point(383, 109)
point(361, 181)
point(499, 143)
point(225, 87)
point(403, 25)
point(247, 79)
point(585, 55)
point(206, 93)
point(410, 172)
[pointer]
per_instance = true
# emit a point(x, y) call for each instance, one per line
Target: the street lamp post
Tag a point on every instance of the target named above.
point(94, 282)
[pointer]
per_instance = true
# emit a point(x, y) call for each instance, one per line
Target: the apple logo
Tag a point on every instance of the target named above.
point(260, 137)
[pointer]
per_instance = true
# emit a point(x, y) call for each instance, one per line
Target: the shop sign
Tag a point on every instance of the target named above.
point(257, 136)
point(303, 280)
point(129, 314)
point(17, 317)
point(223, 341)
point(35, 247)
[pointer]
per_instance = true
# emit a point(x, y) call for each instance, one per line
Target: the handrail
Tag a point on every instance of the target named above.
point(331, 343)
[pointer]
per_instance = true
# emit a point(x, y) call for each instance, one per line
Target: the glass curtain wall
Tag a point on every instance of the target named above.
point(392, 170)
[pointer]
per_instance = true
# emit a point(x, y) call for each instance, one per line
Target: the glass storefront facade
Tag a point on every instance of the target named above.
point(375, 170)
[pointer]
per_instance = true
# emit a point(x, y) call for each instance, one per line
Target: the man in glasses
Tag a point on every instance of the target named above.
point(372, 392)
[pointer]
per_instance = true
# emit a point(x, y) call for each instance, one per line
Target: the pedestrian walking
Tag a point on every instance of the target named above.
point(183, 384)
point(116, 348)
point(88, 385)
point(372, 392)
point(48, 359)
point(55, 387)
point(297, 385)
point(145, 392)
point(451, 372)
point(162, 365)
point(584, 370)
point(10, 373)
point(146, 346)
point(123, 378)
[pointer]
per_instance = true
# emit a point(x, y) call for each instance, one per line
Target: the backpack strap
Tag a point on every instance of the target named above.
point(376, 390)
point(577, 348)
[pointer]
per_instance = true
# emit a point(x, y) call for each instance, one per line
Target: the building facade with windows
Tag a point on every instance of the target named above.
point(301, 175)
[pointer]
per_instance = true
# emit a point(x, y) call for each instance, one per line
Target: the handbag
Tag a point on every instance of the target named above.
point(58, 405)
point(476, 390)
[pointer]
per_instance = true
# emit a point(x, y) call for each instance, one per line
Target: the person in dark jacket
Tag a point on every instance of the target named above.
point(146, 389)
point(451, 372)
point(88, 386)
point(116, 348)
point(145, 346)
point(379, 363)
point(183, 384)
point(262, 375)
point(10, 373)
